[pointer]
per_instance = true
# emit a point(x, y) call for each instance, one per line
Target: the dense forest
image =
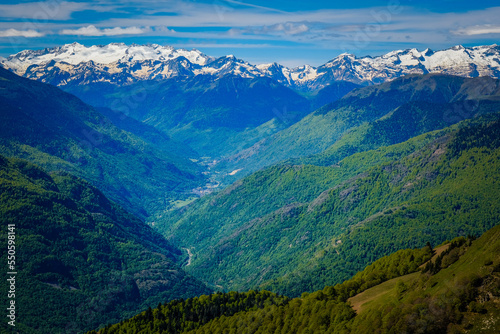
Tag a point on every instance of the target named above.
point(82, 260)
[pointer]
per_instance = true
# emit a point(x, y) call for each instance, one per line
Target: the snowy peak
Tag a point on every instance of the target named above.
point(76, 53)
point(119, 64)
point(458, 60)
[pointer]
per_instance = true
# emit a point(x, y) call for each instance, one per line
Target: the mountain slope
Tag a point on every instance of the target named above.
point(452, 192)
point(213, 117)
point(156, 138)
point(79, 257)
point(297, 228)
point(58, 131)
point(408, 120)
point(461, 294)
point(464, 295)
point(152, 84)
point(325, 126)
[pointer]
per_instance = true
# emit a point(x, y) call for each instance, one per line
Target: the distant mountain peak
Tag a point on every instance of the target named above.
point(457, 47)
point(76, 53)
point(117, 63)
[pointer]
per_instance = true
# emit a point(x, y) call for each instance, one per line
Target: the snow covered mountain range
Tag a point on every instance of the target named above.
point(120, 64)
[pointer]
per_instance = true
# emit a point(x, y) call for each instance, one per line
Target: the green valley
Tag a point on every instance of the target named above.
point(205, 203)
point(220, 119)
point(214, 118)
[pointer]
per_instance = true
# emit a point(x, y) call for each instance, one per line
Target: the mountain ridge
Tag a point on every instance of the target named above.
point(326, 125)
point(118, 63)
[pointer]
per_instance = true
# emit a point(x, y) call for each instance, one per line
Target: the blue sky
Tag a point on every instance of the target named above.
point(289, 32)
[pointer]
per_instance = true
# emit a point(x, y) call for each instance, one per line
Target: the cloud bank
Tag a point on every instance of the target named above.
point(20, 33)
point(93, 31)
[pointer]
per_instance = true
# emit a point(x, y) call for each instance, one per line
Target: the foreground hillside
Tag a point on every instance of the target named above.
point(401, 293)
point(81, 260)
point(57, 131)
point(296, 228)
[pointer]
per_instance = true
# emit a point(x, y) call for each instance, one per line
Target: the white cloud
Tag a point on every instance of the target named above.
point(280, 29)
point(20, 33)
point(93, 31)
point(389, 24)
point(479, 30)
point(228, 22)
point(255, 6)
point(163, 30)
point(43, 10)
point(290, 28)
point(226, 45)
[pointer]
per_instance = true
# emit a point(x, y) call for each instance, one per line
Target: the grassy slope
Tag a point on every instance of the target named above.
point(81, 260)
point(380, 294)
point(466, 293)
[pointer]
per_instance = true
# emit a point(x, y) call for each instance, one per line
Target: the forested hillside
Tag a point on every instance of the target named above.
point(407, 106)
point(213, 117)
point(81, 260)
point(291, 229)
point(57, 131)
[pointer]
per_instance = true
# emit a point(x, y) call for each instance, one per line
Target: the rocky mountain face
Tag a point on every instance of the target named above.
point(120, 64)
